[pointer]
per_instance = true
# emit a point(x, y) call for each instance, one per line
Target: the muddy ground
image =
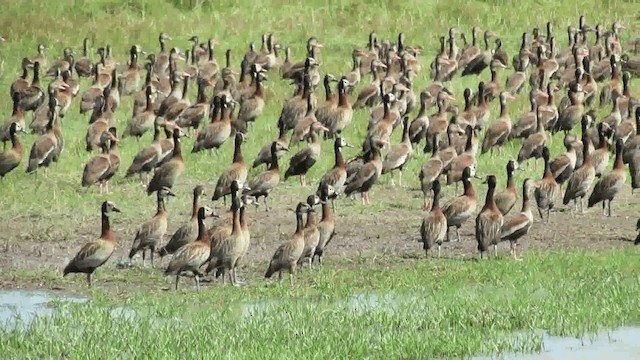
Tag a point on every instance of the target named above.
point(385, 232)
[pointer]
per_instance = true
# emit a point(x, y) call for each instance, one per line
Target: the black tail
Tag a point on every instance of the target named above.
point(270, 271)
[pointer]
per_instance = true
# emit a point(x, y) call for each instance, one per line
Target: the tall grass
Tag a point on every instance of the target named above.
point(431, 310)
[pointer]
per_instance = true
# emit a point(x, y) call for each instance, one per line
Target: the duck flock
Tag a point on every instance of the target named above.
point(565, 85)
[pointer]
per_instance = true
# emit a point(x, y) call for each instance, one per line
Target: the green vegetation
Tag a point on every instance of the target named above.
point(433, 309)
point(422, 308)
point(340, 25)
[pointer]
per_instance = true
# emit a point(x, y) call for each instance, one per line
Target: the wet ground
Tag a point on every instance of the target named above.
point(388, 228)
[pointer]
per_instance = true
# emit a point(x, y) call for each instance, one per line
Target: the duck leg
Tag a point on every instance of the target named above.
point(291, 277)
point(266, 204)
point(458, 233)
point(177, 278)
point(400, 177)
point(197, 282)
point(495, 250)
point(548, 214)
point(89, 279)
point(439, 246)
point(581, 206)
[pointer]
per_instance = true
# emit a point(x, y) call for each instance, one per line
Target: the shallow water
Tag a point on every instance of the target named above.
point(619, 344)
point(26, 305)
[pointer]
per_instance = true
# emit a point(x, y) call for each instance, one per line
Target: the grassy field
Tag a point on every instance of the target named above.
point(430, 310)
point(422, 308)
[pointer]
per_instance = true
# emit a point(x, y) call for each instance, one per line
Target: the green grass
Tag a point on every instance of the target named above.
point(340, 25)
point(429, 310)
point(446, 308)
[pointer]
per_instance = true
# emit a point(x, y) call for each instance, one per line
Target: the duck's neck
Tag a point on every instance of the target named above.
point(326, 211)
point(161, 209)
point(468, 188)
point(237, 153)
point(339, 162)
point(195, 207)
point(177, 149)
point(106, 233)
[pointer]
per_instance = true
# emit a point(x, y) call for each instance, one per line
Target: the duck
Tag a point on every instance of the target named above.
point(287, 255)
point(434, 224)
point(84, 66)
point(429, 173)
point(11, 158)
point(355, 75)
point(304, 159)
point(303, 127)
point(600, 157)
point(96, 252)
point(311, 232)
point(192, 116)
point(369, 93)
point(610, 183)
point(237, 171)
point(366, 176)
point(96, 169)
point(548, 189)
point(263, 183)
point(459, 209)
point(534, 143)
point(193, 255)
point(582, 178)
point(143, 121)
point(162, 62)
point(573, 113)
point(210, 67)
point(61, 64)
point(296, 107)
point(253, 106)
point(527, 122)
point(498, 132)
point(167, 174)
point(186, 232)
point(563, 165)
point(516, 227)
point(330, 100)
point(482, 108)
point(218, 130)
point(327, 224)
point(489, 221)
point(399, 155)
point(152, 231)
point(21, 83)
point(146, 159)
point(17, 116)
point(130, 79)
point(337, 176)
point(381, 131)
point(482, 60)
point(33, 96)
point(226, 251)
point(506, 199)
point(472, 51)
point(420, 124)
point(47, 146)
point(341, 116)
point(468, 115)
point(465, 159)
point(264, 155)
